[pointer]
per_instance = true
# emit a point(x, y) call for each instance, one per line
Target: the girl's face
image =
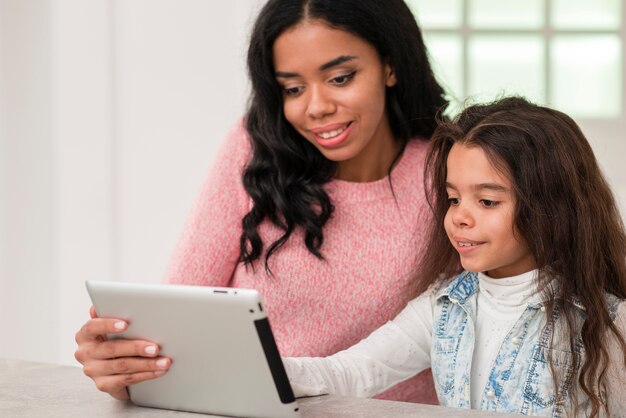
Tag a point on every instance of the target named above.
point(480, 218)
point(334, 95)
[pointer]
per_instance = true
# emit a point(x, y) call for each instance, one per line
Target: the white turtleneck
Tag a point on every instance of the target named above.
point(499, 305)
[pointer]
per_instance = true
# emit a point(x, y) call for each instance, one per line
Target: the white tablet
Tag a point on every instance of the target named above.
point(224, 357)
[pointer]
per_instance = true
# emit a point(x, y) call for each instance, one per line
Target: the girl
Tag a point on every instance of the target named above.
point(531, 320)
point(316, 199)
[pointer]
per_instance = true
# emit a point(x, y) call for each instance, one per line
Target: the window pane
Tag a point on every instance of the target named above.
point(586, 75)
point(444, 14)
point(501, 65)
point(446, 57)
point(586, 14)
point(506, 14)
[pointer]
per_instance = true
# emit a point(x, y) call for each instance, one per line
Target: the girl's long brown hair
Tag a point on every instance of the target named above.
point(565, 213)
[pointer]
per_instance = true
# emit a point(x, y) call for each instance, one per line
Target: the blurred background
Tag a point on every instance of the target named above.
point(111, 111)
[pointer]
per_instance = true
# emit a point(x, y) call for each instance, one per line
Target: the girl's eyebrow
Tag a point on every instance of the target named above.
point(332, 63)
point(482, 186)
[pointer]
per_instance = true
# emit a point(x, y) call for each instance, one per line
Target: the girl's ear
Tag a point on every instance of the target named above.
point(390, 76)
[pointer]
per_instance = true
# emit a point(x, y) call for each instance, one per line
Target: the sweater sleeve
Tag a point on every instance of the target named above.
point(616, 374)
point(208, 248)
point(393, 353)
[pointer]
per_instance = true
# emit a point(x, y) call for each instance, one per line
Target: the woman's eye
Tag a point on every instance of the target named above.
point(489, 203)
point(343, 79)
point(453, 201)
point(292, 91)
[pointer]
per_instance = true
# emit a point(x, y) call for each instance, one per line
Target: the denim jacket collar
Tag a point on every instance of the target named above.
point(465, 285)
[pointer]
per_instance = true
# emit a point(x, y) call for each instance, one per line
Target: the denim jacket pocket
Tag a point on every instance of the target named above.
point(540, 390)
point(444, 362)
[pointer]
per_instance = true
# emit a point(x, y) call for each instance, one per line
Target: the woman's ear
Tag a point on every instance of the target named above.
point(390, 76)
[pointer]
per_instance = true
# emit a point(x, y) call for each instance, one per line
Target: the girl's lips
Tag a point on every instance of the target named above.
point(465, 245)
point(335, 134)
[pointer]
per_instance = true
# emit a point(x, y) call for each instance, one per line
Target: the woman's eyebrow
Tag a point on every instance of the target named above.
point(332, 63)
point(337, 61)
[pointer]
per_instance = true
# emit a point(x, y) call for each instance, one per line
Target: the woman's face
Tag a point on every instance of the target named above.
point(334, 86)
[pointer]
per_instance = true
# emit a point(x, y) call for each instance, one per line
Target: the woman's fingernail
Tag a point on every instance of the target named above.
point(162, 363)
point(151, 349)
point(120, 325)
point(159, 372)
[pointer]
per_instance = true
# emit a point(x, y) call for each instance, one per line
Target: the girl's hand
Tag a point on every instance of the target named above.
point(115, 364)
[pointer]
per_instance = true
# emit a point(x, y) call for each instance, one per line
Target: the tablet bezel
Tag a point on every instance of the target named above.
point(242, 375)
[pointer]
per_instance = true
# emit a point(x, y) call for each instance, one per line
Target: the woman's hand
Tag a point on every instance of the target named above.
point(115, 364)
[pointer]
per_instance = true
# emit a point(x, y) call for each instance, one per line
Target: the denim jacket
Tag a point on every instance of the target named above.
point(520, 380)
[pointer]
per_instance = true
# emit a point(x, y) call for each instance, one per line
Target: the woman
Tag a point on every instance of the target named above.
point(316, 199)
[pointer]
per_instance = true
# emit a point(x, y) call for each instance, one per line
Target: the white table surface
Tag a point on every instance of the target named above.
point(29, 389)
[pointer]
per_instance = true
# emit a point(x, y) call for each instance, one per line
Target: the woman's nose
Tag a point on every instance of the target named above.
point(320, 103)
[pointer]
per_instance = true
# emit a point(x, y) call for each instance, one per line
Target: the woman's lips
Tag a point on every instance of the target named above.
point(332, 135)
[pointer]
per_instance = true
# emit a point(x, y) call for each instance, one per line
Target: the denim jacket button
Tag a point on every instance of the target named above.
point(515, 340)
point(491, 393)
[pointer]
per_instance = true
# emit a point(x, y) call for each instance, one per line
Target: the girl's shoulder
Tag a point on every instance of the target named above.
point(459, 287)
point(617, 309)
point(442, 287)
point(620, 315)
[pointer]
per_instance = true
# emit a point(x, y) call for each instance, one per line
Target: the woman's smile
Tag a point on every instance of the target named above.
point(332, 135)
point(334, 87)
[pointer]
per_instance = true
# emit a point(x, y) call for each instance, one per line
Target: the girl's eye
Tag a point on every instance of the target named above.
point(453, 201)
point(343, 79)
point(292, 91)
point(489, 203)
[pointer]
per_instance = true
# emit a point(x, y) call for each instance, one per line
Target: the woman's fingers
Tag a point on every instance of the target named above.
point(115, 385)
point(96, 328)
point(125, 366)
point(111, 349)
point(114, 364)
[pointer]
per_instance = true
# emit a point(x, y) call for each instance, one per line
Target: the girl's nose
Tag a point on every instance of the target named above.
point(461, 217)
point(320, 104)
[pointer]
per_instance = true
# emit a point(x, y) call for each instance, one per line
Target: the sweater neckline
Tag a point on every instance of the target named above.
point(343, 190)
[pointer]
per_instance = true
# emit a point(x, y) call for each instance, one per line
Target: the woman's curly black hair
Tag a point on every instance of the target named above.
point(286, 173)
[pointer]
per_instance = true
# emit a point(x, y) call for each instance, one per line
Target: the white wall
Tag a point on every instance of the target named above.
point(609, 146)
point(27, 261)
point(82, 114)
point(180, 84)
point(110, 111)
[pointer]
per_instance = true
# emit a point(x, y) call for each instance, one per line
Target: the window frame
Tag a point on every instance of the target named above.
point(547, 33)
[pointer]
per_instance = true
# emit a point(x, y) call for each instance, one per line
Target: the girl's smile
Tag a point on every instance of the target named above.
point(480, 219)
point(465, 245)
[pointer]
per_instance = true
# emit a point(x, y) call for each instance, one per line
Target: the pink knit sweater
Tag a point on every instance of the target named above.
point(372, 245)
